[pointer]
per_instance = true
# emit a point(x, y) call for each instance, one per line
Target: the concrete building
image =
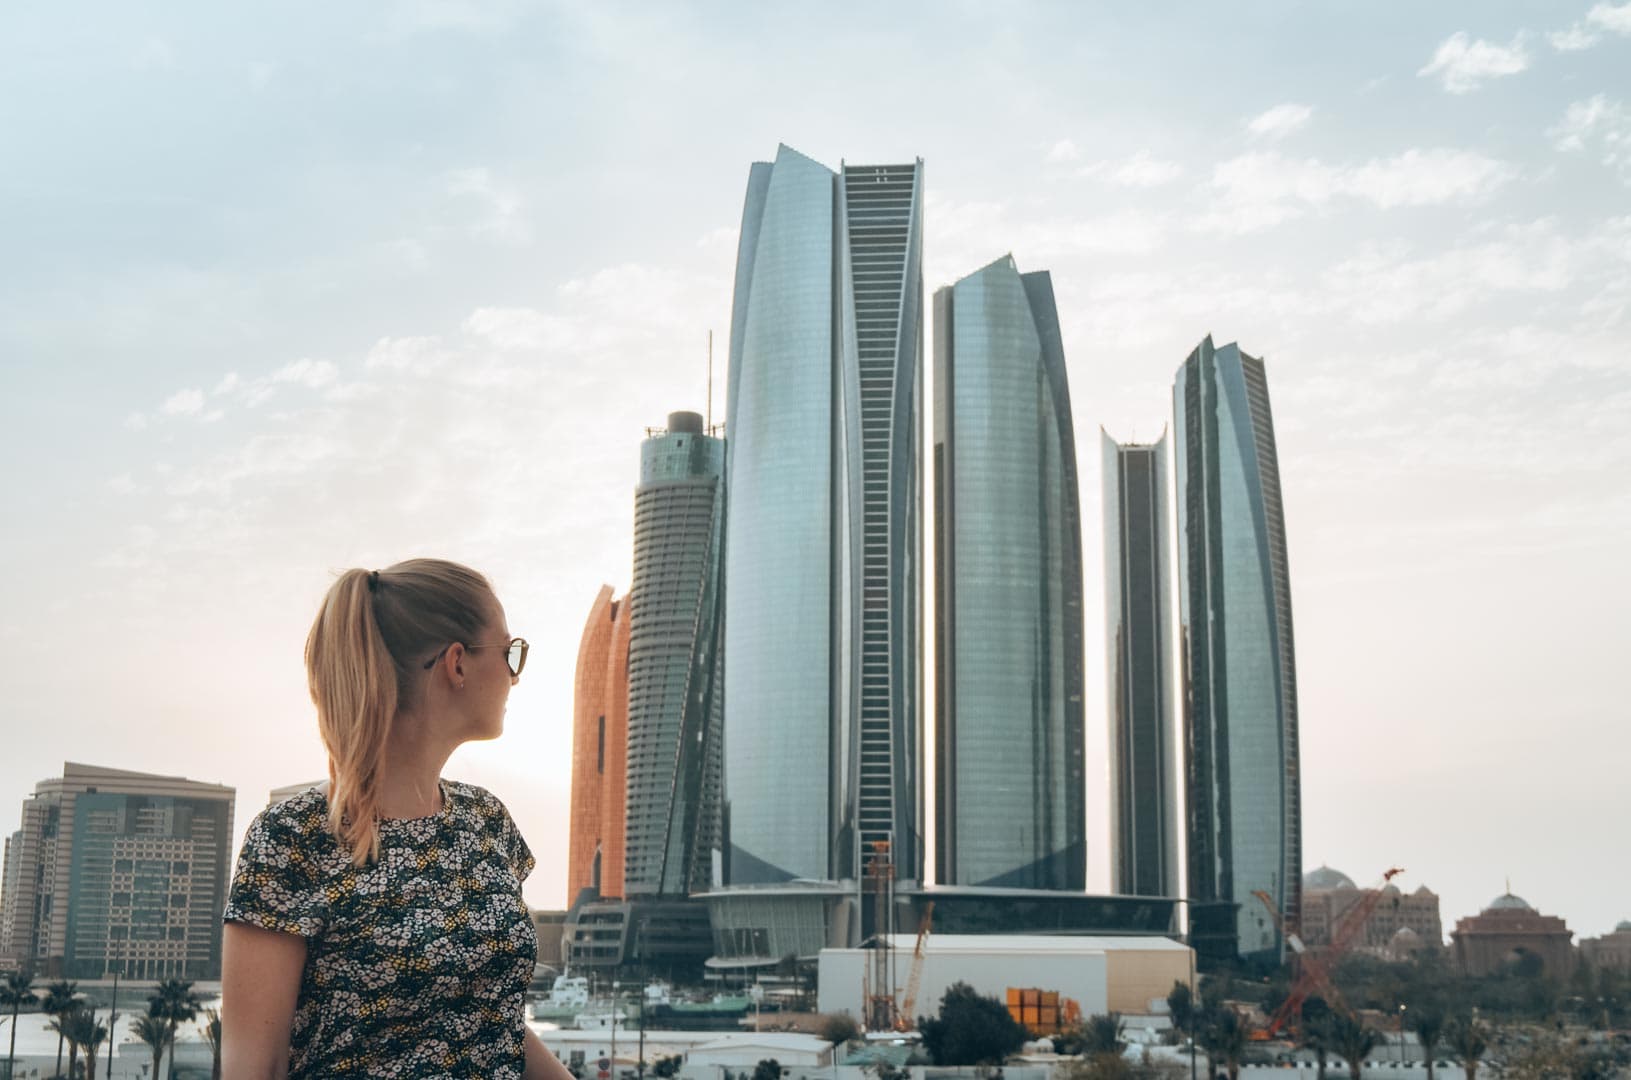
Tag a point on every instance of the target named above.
point(1009, 714)
point(600, 725)
point(1328, 896)
point(1239, 666)
point(121, 871)
point(675, 678)
point(1138, 663)
point(823, 680)
point(1611, 951)
point(1510, 935)
point(1100, 974)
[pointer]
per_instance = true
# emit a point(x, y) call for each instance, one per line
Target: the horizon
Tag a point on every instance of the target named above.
point(282, 300)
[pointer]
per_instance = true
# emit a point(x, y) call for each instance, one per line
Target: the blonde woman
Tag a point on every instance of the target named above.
point(375, 926)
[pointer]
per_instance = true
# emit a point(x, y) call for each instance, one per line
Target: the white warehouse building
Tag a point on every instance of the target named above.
point(1101, 974)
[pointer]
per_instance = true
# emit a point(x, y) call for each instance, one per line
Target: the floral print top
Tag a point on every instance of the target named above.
point(417, 964)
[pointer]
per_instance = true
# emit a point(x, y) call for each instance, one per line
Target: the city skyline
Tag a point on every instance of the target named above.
point(281, 303)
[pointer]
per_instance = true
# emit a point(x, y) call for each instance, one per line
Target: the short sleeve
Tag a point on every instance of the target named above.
point(515, 848)
point(273, 884)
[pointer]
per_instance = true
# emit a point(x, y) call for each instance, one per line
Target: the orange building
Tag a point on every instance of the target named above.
point(600, 744)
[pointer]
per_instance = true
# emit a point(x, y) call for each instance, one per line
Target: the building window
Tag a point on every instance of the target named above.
point(600, 747)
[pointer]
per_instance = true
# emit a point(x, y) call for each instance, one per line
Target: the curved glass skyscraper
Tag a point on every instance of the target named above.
point(822, 605)
point(1138, 663)
point(674, 675)
point(1240, 679)
point(1008, 589)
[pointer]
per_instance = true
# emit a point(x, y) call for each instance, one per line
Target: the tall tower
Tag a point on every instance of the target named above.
point(1239, 664)
point(1008, 589)
point(823, 683)
point(600, 734)
point(1138, 662)
point(676, 692)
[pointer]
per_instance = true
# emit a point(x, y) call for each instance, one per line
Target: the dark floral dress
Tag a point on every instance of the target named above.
point(417, 964)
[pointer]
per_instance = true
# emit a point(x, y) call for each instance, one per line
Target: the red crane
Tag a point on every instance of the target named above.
point(1314, 971)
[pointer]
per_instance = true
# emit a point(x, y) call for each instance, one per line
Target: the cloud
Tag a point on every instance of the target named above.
point(312, 374)
point(1064, 150)
point(188, 402)
point(504, 219)
point(1611, 17)
point(1263, 189)
point(1139, 171)
point(1280, 121)
point(1463, 65)
point(1600, 123)
point(1573, 39)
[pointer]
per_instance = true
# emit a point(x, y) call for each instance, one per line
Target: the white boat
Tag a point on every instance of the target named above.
point(602, 1016)
point(568, 996)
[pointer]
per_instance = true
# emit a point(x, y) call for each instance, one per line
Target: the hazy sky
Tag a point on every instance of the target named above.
point(303, 287)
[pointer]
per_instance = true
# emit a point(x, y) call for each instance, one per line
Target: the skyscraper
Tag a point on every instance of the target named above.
point(1240, 680)
point(1138, 664)
point(118, 871)
point(675, 678)
point(1008, 589)
point(823, 683)
point(600, 734)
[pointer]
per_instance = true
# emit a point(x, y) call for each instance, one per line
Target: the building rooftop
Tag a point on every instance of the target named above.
point(1508, 902)
point(1326, 879)
point(1043, 943)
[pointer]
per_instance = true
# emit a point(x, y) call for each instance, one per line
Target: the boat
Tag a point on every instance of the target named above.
point(568, 996)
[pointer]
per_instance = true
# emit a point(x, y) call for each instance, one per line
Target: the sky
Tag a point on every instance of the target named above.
point(287, 290)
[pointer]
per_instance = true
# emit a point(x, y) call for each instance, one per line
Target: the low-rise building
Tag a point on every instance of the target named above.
point(1612, 950)
point(1510, 935)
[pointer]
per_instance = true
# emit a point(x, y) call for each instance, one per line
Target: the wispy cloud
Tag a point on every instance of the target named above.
point(1280, 121)
point(1614, 19)
point(1462, 65)
point(1064, 151)
point(1259, 190)
point(1600, 124)
point(1139, 171)
point(504, 218)
point(189, 402)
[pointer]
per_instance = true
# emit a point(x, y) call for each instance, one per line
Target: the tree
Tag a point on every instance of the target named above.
point(1314, 1033)
point(971, 1029)
point(154, 1031)
point(665, 1068)
point(839, 1028)
point(1102, 1035)
point(1181, 1006)
point(83, 1032)
point(60, 998)
point(212, 1032)
point(17, 992)
point(1223, 1037)
point(768, 1069)
point(175, 1003)
point(1468, 1040)
point(1353, 1040)
point(1427, 1021)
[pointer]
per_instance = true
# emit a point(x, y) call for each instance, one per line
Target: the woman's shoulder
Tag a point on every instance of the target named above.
point(302, 814)
point(473, 798)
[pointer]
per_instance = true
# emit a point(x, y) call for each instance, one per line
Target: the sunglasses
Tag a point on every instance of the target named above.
point(515, 654)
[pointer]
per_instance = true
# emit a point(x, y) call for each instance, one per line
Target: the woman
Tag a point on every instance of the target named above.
point(375, 925)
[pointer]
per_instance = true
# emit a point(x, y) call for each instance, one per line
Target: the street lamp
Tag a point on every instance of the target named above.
point(1402, 1008)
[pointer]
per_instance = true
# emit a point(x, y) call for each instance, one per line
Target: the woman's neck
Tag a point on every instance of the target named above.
point(412, 769)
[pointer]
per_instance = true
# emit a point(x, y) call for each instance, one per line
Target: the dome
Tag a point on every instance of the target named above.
point(1624, 927)
point(1325, 879)
point(1508, 902)
point(1406, 936)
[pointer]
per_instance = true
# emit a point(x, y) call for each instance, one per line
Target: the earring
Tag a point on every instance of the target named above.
point(461, 686)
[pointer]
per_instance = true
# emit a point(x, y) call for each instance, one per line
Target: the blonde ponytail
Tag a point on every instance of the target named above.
point(372, 633)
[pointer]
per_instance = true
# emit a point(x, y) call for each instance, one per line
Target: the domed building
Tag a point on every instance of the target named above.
point(1328, 896)
point(1612, 950)
point(1510, 935)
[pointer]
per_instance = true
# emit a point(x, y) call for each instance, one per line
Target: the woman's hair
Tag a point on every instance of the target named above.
point(365, 657)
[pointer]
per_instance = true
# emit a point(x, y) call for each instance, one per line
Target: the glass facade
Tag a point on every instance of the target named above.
point(1240, 704)
point(675, 694)
point(822, 679)
point(1138, 646)
point(1008, 589)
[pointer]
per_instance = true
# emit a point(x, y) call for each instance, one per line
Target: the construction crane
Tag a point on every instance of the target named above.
point(904, 1019)
point(881, 1013)
point(1314, 971)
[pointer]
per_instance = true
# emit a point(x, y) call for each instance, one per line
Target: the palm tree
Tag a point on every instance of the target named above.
point(70, 1028)
point(1224, 1039)
point(59, 1000)
point(1467, 1040)
point(17, 992)
point(1102, 1035)
point(1354, 1041)
point(83, 1033)
point(153, 1031)
point(212, 1032)
point(1427, 1021)
point(1315, 1036)
point(175, 1003)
